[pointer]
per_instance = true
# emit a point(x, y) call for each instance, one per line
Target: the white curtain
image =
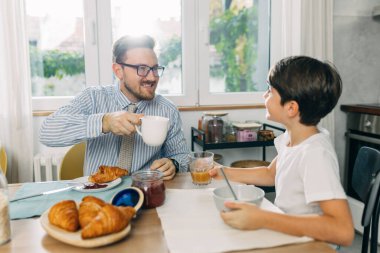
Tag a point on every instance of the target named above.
point(307, 30)
point(16, 127)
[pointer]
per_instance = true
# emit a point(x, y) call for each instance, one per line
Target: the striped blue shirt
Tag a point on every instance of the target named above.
point(81, 120)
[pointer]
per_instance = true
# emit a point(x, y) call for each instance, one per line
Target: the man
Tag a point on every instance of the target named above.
point(99, 115)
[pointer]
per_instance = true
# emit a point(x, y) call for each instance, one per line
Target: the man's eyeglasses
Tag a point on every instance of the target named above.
point(143, 70)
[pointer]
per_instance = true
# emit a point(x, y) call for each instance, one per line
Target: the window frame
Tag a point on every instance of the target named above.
point(98, 58)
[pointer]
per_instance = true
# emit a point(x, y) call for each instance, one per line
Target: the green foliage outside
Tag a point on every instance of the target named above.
point(234, 35)
point(170, 51)
point(48, 63)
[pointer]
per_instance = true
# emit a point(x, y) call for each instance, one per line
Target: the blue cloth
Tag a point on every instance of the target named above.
point(81, 120)
point(35, 206)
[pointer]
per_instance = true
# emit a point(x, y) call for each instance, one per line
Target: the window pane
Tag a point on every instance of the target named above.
point(234, 50)
point(163, 23)
point(56, 45)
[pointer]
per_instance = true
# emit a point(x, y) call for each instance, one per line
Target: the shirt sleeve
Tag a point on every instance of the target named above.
point(321, 176)
point(175, 146)
point(72, 123)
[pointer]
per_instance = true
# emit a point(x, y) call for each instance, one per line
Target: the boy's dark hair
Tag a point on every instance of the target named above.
point(316, 86)
point(125, 43)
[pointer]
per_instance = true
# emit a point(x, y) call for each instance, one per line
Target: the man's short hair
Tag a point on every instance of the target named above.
point(125, 43)
point(316, 86)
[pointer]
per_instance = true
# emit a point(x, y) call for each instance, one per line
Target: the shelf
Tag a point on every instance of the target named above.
point(199, 137)
point(225, 145)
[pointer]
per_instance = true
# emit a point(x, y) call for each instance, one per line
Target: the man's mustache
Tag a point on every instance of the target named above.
point(148, 83)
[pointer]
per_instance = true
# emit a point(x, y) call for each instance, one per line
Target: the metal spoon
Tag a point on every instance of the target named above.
point(228, 183)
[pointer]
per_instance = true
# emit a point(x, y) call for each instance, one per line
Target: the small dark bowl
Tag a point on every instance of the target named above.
point(130, 196)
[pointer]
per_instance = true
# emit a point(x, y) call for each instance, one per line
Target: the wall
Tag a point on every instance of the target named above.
point(357, 57)
point(191, 119)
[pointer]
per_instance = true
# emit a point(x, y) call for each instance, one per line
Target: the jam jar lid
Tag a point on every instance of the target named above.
point(147, 175)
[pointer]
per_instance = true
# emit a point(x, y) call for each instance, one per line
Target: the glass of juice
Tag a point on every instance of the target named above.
point(200, 163)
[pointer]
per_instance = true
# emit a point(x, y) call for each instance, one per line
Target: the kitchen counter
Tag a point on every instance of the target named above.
point(373, 109)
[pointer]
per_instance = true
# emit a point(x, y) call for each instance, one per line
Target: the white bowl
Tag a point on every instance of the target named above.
point(244, 193)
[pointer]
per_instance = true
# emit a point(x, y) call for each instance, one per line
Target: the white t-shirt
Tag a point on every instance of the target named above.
point(306, 173)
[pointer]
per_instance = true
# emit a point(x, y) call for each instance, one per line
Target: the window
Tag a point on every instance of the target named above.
point(56, 46)
point(164, 26)
point(215, 51)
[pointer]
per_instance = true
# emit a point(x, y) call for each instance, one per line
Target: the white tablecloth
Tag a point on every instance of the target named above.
point(191, 223)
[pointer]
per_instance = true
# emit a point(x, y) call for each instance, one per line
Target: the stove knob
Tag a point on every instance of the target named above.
point(367, 124)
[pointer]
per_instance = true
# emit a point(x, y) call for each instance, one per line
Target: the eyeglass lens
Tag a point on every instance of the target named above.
point(144, 70)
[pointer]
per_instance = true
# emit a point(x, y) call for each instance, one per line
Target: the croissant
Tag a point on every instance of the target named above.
point(110, 219)
point(87, 212)
point(94, 199)
point(64, 214)
point(128, 212)
point(107, 174)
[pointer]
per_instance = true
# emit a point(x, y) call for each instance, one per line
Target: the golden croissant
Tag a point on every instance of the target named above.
point(64, 214)
point(89, 209)
point(107, 174)
point(128, 211)
point(110, 219)
point(87, 212)
point(94, 199)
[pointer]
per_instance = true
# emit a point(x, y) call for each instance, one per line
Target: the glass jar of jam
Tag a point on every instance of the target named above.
point(151, 183)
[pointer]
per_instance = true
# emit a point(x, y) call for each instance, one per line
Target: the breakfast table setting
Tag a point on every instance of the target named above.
point(187, 221)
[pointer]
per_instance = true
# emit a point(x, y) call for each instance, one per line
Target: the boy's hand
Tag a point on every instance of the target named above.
point(215, 171)
point(244, 216)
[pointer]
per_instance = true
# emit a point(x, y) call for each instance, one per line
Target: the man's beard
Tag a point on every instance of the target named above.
point(138, 95)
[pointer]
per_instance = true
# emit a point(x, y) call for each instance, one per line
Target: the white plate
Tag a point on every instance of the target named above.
point(74, 238)
point(80, 188)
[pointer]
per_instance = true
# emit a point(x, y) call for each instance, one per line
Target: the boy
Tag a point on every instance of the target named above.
point(302, 90)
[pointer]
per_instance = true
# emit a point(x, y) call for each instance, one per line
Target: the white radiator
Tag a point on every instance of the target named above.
point(46, 166)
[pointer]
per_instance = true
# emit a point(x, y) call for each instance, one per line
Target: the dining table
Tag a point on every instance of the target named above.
point(146, 235)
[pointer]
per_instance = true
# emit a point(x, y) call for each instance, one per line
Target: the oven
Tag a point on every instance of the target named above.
point(363, 129)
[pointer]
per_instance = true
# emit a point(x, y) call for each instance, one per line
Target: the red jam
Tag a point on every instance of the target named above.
point(151, 183)
point(94, 186)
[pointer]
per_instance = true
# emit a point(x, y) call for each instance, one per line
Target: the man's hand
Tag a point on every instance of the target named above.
point(166, 166)
point(120, 123)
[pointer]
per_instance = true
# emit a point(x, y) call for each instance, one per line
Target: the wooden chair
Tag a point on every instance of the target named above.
point(73, 162)
point(366, 183)
point(3, 160)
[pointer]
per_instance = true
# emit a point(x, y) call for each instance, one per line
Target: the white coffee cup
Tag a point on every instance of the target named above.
point(153, 130)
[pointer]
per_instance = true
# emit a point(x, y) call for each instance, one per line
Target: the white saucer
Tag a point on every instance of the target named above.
point(84, 180)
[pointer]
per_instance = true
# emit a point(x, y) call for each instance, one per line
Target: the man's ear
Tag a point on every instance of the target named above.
point(292, 108)
point(117, 70)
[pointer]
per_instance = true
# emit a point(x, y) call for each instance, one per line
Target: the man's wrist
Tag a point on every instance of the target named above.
point(176, 165)
point(105, 127)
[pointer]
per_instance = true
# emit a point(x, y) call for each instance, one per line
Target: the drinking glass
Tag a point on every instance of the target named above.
point(200, 163)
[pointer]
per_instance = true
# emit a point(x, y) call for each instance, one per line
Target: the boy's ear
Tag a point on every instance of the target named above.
point(292, 108)
point(118, 70)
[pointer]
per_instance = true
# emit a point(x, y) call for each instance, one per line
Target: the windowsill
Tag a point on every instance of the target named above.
point(185, 108)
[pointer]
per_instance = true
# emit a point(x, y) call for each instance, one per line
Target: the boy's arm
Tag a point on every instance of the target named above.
point(262, 176)
point(334, 225)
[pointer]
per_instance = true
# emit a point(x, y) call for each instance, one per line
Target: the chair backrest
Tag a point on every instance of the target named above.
point(366, 183)
point(73, 162)
point(3, 160)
